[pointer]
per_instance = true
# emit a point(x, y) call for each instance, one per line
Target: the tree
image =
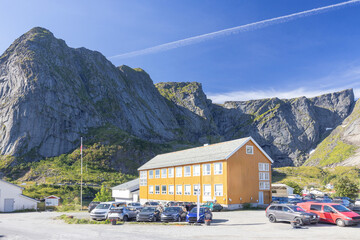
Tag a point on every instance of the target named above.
point(295, 186)
point(344, 187)
point(103, 195)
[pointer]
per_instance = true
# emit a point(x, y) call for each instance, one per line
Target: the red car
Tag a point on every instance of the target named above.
point(332, 213)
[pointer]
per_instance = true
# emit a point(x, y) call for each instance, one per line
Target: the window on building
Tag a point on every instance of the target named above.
point(249, 150)
point(218, 168)
point(264, 167)
point(171, 189)
point(143, 178)
point(264, 185)
point(207, 190)
point(187, 171)
point(178, 172)
point(171, 172)
point(157, 173)
point(163, 173)
point(267, 167)
point(264, 176)
point(196, 189)
point(163, 189)
point(206, 169)
point(151, 189)
point(178, 189)
point(218, 189)
point(196, 170)
point(151, 174)
point(157, 189)
point(187, 190)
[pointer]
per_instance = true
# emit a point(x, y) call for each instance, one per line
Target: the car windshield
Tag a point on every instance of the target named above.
point(103, 206)
point(153, 203)
point(194, 210)
point(172, 209)
point(297, 209)
point(341, 208)
point(134, 204)
point(148, 209)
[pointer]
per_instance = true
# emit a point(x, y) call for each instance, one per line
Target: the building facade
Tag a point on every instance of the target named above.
point(232, 173)
point(11, 198)
point(126, 192)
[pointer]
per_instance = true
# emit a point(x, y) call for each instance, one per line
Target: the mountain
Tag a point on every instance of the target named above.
point(341, 147)
point(51, 94)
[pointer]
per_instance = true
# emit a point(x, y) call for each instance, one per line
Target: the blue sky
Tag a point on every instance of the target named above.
point(307, 56)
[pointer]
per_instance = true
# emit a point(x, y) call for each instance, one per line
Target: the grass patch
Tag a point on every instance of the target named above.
point(73, 220)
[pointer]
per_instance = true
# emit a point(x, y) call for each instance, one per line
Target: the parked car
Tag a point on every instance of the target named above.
point(135, 205)
point(292, 196)
point(204, 213)
point(148, 214)
point(290, 213)
point(295, 201)
point(344, 202)
point(92, 205)
point(173, 214)
point(213, 206)
point(357, 202)
point(280, 200)
point(332, 213)
point(101, 211)
point(151, 204)
point(121, 214)
point(171, 204)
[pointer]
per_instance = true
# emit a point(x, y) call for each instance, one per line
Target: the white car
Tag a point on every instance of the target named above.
point(297, 196)
point(357, 202)
point(101, 211)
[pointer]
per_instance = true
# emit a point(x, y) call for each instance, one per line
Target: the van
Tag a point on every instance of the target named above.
point(332, 213)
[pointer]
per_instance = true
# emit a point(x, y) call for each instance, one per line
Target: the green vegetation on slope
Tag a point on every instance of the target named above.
point(175, 91)
point(307, 176)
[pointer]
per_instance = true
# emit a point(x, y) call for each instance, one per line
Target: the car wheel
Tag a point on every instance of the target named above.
point(179, 219)
point(125, 218)
point(340, 222)
point(298, 221)
point(272, 219)
point(154, 219)
point(113, 222)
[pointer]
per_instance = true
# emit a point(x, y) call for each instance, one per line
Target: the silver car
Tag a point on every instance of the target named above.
point(290, 213)
point(135, 205)
point(121, 214)
point(101, 211)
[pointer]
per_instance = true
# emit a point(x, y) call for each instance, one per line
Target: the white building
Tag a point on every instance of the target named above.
point(126, 192)
point(11, 198)
point(52, 201)
point(281, 190)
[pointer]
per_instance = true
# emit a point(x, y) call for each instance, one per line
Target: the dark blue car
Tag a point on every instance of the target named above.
point(204, 213)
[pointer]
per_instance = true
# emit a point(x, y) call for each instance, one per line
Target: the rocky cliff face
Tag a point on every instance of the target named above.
point(341, 147)
point(51, 94)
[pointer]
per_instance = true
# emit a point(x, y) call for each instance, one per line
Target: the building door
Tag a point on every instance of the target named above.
point(261, 197)
point(9, 205)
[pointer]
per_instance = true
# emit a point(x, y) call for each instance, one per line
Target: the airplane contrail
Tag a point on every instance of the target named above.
point(234, 30)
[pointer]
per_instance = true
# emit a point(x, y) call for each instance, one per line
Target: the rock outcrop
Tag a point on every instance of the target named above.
point(51, 94)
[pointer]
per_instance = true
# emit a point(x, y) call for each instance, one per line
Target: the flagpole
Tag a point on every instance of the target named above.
point(81, 156)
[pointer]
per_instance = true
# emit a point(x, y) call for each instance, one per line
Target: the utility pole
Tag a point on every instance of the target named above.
point(81, 183)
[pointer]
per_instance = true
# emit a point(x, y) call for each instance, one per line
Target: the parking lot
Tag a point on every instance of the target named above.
point(226, 225)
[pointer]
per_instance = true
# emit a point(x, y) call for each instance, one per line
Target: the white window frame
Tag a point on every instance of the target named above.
point(187, 174)
point(195, 188)
point(157, 173)
point(171, 172)
point(187, 189)
point(205, 171)
point(162, 191)
point(151, 174)
point(162, 173)
point(267, 167)
point(177, 188)
point(151, 189)
point(264, 176)
point(218, 171)
point(264, 167)
point(219, 193)
point(157, 191)
point(171, 190)
point(143, 178)
point(249, 149)
point(204, 192)
point(178, 171)
point(264, 185)
point(196, 170)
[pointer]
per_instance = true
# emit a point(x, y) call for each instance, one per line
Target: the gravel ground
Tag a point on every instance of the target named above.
point(226, 225)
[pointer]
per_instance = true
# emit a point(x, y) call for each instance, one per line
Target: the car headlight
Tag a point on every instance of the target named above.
point(348, 218)
point(163, 215)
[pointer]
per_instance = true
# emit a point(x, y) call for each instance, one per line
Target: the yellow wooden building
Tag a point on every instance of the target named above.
point(232, 173)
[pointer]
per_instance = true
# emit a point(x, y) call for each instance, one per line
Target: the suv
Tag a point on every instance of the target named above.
point(92, 205)
point(121, 214)
point(290, 213)
point(101, 211)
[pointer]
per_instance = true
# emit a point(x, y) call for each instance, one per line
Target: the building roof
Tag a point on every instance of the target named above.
point(52, 197)
point(11, 184)
point(207, 153)
point(29, 198)
point(132, 185)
